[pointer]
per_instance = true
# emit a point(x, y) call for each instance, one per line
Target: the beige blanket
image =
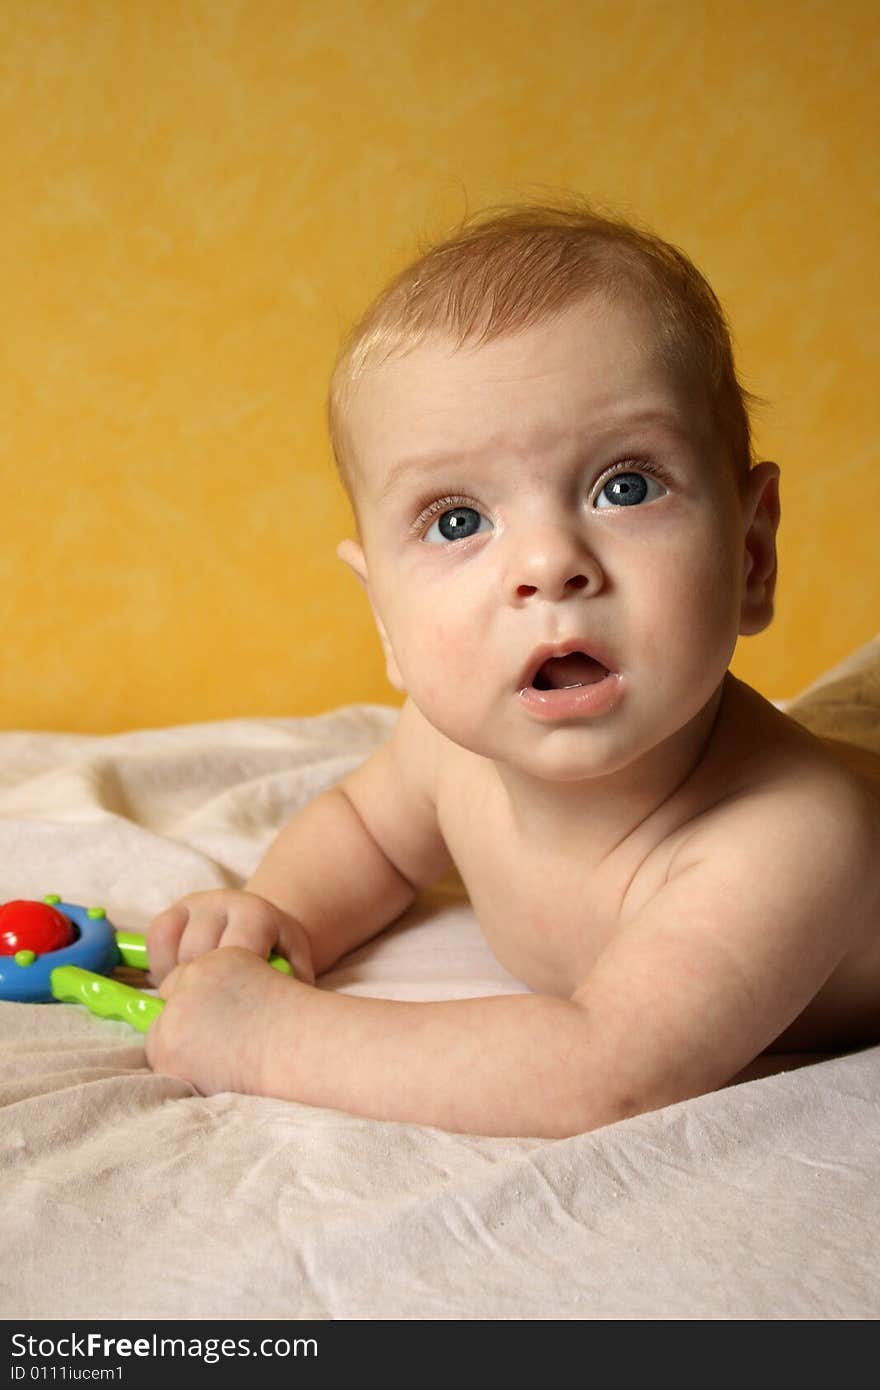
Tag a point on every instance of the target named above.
point(124, 1194)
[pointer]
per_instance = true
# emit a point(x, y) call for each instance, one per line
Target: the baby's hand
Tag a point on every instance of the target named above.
point(200, 922)
point(220, 1022)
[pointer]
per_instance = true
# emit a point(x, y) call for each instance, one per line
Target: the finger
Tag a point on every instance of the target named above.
point(163, 939)
point(203, 931)
point(301, 966)
point(292, 948)
point(260, 929)
point(251, 930)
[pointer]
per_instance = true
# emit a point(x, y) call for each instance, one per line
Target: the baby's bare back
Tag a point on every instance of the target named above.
point(550, 904)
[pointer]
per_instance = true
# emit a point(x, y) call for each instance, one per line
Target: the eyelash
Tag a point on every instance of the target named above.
point(437, 508)
point(630, 465)
point(624, 465)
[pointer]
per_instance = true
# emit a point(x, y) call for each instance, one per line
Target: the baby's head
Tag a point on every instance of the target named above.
point(547, 449)
point(506, 271)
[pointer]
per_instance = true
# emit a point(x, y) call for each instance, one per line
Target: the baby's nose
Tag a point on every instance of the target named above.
point(554, 566)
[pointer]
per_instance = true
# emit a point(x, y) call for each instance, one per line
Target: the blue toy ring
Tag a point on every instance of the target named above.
point(95, 949)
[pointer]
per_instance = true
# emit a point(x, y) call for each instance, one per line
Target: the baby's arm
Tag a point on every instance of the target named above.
point(753, 920)
point(343, 868)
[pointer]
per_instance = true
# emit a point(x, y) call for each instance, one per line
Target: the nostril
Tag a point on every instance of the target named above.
point(577, 581)
point(526, 590)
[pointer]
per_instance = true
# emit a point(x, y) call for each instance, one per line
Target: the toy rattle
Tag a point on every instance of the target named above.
point(55, 951)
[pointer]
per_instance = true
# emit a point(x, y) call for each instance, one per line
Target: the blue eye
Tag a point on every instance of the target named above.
point(457, 524)
point(628, 490)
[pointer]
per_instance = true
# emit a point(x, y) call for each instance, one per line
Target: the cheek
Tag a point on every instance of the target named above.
point(436, 643)
point(691, 606)
point(449, 650)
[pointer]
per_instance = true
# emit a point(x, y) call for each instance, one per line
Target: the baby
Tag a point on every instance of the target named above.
point(562, 532)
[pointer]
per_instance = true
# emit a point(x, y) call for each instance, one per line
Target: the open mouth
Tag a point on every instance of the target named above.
point(563, 683)
point(567, 672)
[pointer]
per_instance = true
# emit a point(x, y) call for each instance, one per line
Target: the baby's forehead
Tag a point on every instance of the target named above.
point(607, 343)
point(573, 374)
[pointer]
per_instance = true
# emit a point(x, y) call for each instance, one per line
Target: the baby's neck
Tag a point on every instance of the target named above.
point(602, 812)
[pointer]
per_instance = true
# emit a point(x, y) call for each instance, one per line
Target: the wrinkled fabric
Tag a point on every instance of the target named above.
point(125, 1194)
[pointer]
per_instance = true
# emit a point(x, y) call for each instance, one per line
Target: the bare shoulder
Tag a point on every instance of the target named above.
point(794, 839)
point(806, 850)
point(788, 799)
point(814, 822)
point(756, 938)
point(862, 763)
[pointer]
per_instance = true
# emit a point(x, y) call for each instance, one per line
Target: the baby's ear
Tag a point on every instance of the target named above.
point(761, 512)
point(352, 554)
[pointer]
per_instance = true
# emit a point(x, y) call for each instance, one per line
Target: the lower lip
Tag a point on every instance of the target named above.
point(576, 701)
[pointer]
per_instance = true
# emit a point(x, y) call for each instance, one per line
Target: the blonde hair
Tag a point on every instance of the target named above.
point(509, 268)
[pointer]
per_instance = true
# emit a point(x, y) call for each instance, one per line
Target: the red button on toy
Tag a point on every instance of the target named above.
point(37, 927)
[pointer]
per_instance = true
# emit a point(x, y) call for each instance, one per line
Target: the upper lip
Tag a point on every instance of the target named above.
point(549, 650)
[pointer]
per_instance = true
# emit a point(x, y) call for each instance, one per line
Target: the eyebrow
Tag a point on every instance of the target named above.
point(425, 463)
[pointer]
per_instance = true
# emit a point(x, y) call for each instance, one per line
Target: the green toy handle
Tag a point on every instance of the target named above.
point(105, 997)
point(132, 946)
point(111, 998)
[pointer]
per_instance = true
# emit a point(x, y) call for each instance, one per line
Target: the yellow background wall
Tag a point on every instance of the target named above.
point(198, 196)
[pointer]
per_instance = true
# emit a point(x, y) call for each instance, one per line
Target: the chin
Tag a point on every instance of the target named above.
point(563, 761)
point(565, 753)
